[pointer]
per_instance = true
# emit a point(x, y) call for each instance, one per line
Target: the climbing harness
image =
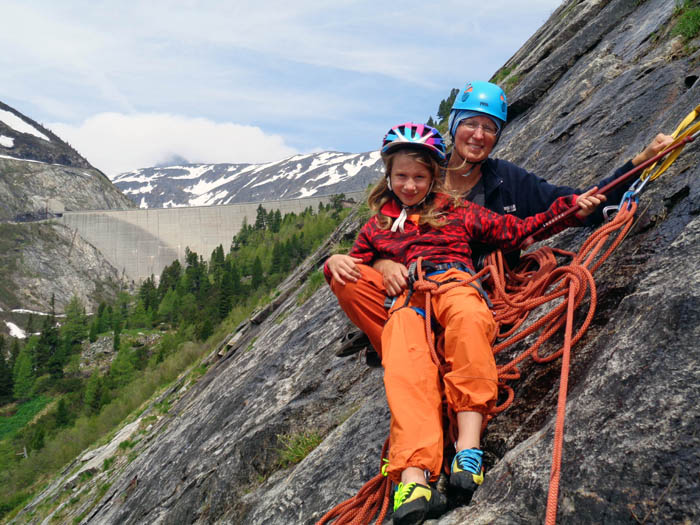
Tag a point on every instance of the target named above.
point(539, 280)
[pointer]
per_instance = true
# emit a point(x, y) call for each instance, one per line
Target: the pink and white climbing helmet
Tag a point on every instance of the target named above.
point(416, 136)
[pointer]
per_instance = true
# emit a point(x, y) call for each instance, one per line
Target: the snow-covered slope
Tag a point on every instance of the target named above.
point(323, 173)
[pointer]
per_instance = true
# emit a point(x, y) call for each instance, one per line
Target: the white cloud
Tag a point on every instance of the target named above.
point(116, 143)
point(330, 74)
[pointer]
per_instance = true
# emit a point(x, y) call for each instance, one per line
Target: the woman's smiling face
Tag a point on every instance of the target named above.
point(410, 180)
point(474, 138)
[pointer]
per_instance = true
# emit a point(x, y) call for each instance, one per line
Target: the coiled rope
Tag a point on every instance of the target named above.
point(515, 294)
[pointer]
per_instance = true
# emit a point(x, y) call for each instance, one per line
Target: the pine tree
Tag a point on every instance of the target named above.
point(169, 306)
point(92, 335)
point(276, 264)
point(107, 323)
point(56, 362)
point(446, 105)
point(93, 393)
point(116, 341)
point(5, 377)
point(276, 222)
point(169, 278)
point(74, 329)
point(236, 286)
point(140, 316)
point(62, 414)
point(14, 352)
point(148, 294)
point(260, 218)
point(103, 318)
point(48, 343)
point(256, 273)
point(23, 374)
point(205, 329)
point(122, 369)
point(29, 329)
point(225, 294)
point(241, 239)
point(216, 265)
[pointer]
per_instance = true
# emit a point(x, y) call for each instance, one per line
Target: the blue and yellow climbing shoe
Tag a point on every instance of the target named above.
point(467, 471)
point(414, 503)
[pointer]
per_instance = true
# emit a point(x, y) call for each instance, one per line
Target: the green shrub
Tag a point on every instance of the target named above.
point(25, 413)
point(688, 24)
point(107, 463)
point(127, 443)
point(313, 283)
point(296, 447)
point(86, 475)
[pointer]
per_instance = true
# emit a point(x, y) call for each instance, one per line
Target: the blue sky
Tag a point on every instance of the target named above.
point(133, 84)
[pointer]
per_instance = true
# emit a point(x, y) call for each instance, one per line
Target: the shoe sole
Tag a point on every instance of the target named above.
point(412, 513)
point(462, 489)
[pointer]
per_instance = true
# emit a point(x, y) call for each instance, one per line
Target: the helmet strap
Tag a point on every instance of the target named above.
point(401, 219)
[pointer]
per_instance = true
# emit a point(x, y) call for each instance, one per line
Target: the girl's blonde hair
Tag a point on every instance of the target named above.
point(429, 211)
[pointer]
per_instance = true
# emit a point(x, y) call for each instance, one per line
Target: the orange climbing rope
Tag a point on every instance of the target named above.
point(515, 295)
point(371, 500)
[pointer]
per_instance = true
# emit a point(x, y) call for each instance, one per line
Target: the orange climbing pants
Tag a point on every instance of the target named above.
point(363, 303)
point(411, 378)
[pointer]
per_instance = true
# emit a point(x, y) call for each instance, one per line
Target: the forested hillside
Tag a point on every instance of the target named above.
point(81, 375)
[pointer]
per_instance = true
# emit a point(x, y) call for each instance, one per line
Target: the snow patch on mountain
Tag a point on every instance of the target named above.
point(19, 125)
point(323, 173)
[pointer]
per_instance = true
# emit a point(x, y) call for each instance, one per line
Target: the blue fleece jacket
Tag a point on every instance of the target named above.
point(511, 189)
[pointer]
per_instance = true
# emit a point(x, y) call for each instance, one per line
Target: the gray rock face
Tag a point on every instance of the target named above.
point(595, 87)
point(41, 177)
point(30, 190)
point(48, 259)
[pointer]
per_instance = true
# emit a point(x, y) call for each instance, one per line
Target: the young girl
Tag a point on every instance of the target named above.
point(415, 218)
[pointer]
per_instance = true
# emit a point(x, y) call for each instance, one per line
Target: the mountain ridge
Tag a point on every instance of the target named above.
point(303, 175)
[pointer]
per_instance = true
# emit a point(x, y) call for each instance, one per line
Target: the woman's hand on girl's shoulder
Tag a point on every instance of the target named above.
point(344, 268)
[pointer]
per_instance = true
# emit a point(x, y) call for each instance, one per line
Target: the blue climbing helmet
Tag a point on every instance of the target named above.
point(479, 97)
point(417, 136)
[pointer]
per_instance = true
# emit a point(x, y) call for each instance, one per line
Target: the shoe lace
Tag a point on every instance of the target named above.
point(402, 492)
point(469, 459)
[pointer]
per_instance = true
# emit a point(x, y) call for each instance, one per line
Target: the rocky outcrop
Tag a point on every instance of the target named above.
point(588, 101)
point(26, 139)
point(40, 178)
point(44, 259)
point(34, 190)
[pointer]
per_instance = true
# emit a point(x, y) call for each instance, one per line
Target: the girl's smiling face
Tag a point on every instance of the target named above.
point(410, 180)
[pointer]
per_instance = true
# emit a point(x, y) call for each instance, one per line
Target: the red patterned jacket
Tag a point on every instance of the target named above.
point(450, 243)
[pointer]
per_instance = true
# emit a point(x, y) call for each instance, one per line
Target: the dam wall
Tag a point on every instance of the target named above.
point(141, 242)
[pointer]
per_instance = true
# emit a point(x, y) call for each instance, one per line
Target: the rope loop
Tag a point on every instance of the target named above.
point(542, 288)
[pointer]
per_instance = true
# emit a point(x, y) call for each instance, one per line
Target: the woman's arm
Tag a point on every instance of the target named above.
point(508, 231)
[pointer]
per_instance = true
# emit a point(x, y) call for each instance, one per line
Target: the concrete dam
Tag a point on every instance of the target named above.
point(141, 242)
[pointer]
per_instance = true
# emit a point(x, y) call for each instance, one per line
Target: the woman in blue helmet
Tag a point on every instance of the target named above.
point(475, 125)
